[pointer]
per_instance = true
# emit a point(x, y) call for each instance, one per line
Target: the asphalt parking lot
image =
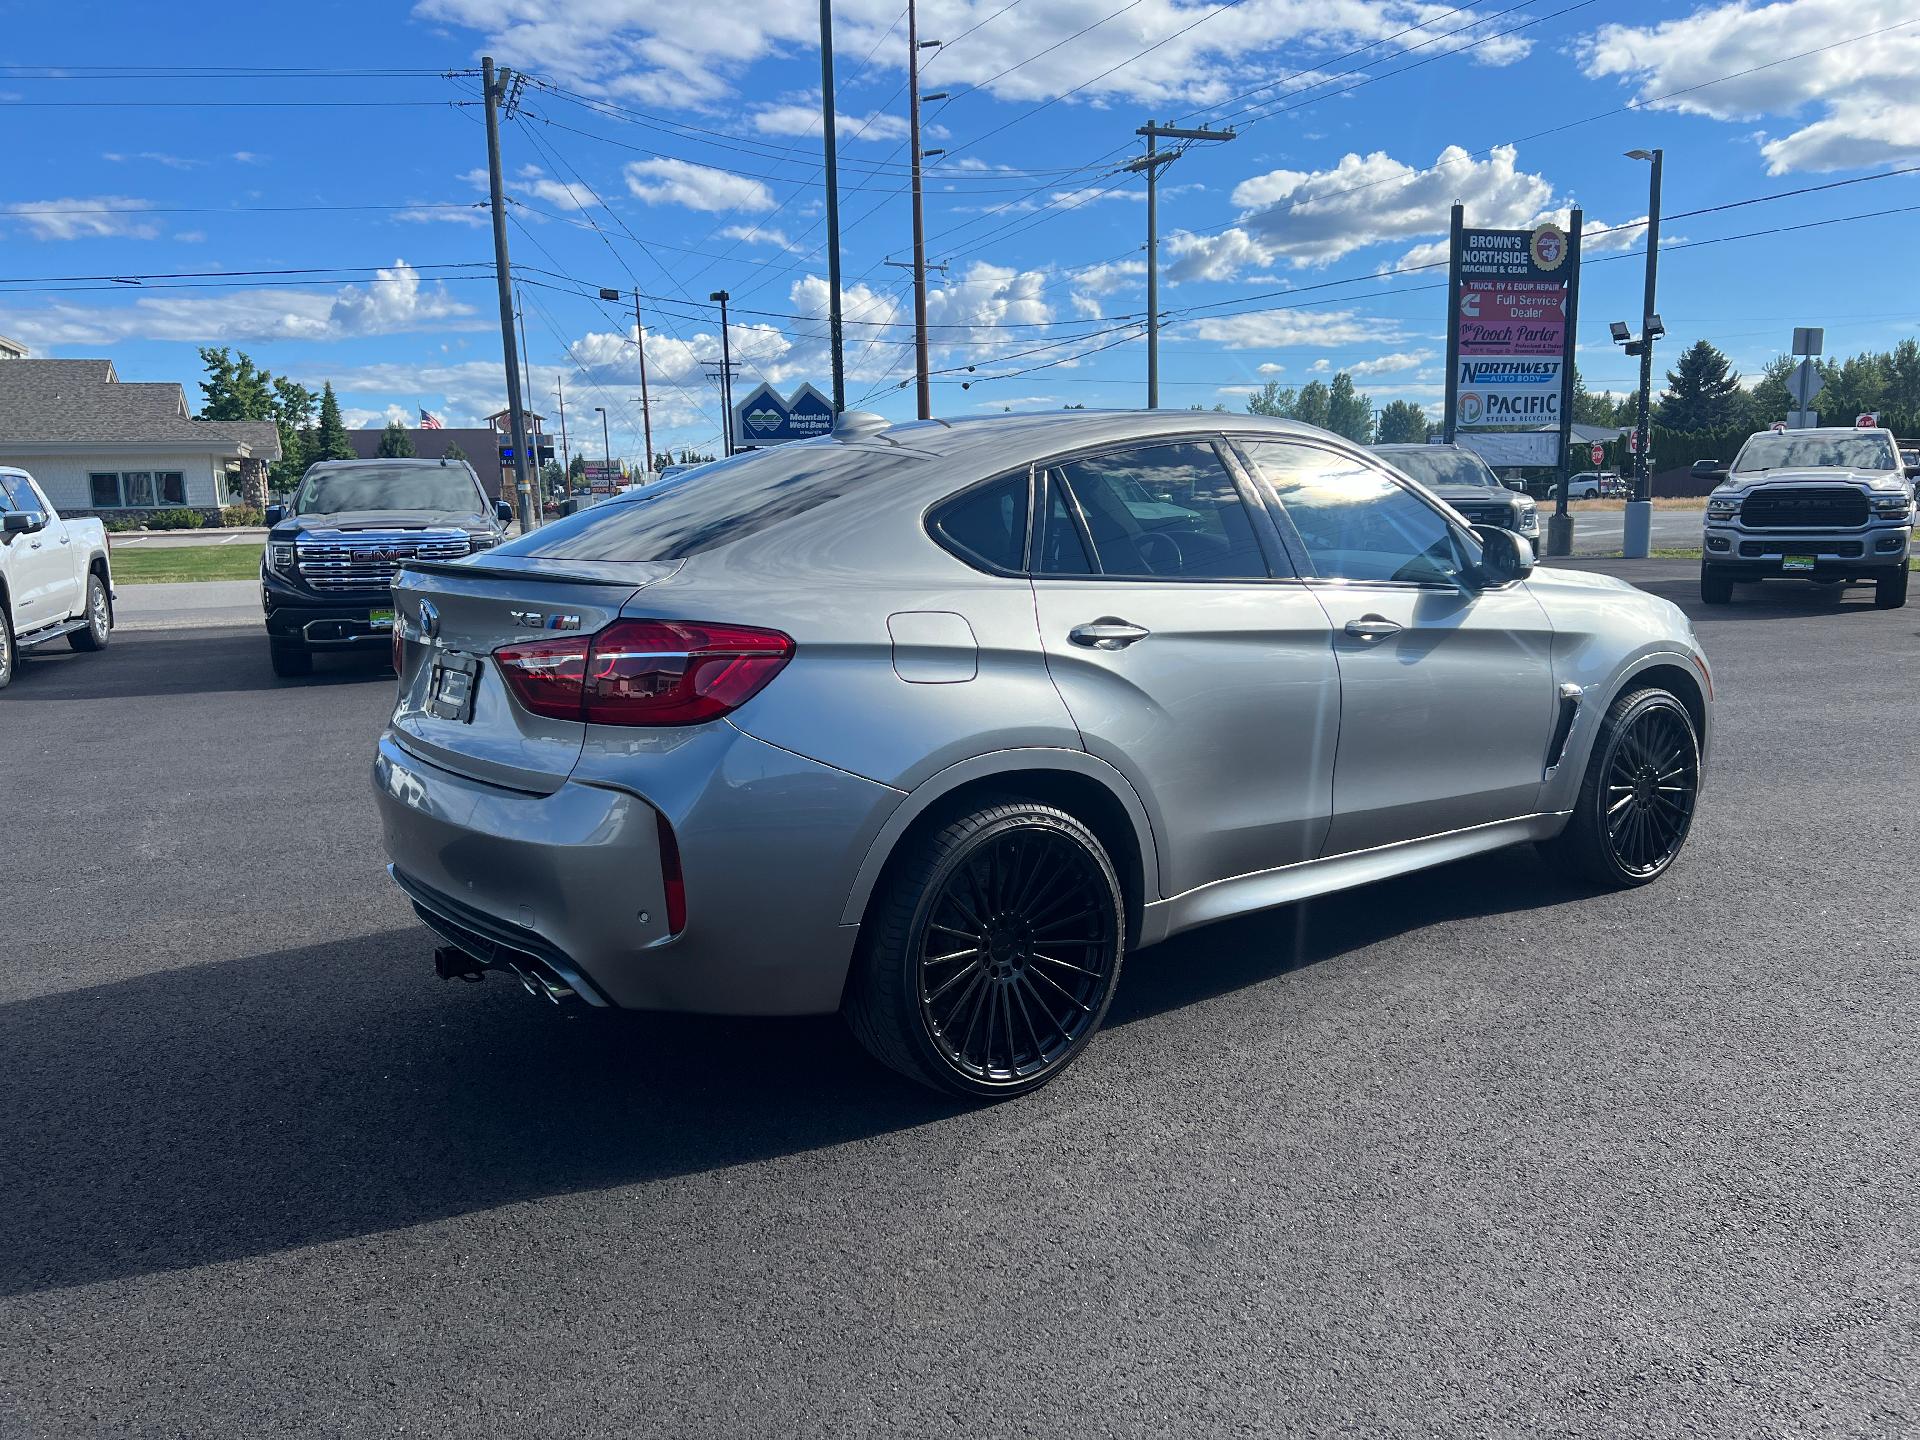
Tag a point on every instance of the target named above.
point(1474, 1151)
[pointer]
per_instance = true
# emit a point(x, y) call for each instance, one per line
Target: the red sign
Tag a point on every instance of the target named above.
point(1513, 317)
point(1866, 422)
point(1598, 453)
point(1633, 442)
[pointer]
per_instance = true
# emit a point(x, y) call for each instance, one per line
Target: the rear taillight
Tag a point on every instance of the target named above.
point(673, 883)
point(645, 672)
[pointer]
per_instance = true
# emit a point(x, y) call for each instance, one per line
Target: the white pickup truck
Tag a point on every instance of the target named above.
point(54, 575)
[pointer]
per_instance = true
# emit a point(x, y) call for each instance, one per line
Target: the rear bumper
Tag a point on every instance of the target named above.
point(769, 846)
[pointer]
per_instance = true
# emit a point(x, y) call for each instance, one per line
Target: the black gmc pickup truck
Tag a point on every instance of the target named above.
point(326, 575)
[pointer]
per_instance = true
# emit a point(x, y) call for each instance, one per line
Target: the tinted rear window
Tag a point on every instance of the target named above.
point(988, 525)
point(715, 505)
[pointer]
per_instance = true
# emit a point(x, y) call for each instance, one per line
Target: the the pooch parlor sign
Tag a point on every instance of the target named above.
point(1513, 298)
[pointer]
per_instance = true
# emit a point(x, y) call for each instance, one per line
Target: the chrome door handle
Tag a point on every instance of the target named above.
point(1107, 633)
point(1372, 627)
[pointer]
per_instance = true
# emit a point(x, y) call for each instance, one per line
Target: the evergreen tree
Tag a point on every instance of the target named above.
point(330, 435)
point(1854, 385)
point(1902, 370)
point(1349, 412)
point(453, 452)
point(1769, 399)
point(395, 442)
point(235, 388)
point(1272, 399)
point(1403, 423)
point(1703, 391)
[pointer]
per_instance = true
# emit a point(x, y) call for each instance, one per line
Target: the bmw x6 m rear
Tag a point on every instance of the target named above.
point(933, 723)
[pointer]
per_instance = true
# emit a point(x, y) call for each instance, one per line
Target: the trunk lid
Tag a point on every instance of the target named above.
point(451, 617)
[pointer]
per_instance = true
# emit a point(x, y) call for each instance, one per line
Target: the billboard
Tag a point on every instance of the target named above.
point(764, 418)
point(1512, 297)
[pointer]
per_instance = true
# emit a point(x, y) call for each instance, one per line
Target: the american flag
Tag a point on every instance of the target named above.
point(429, 420)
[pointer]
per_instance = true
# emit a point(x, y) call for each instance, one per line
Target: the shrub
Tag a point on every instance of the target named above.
point(242, 515)
point(119, 526)
point(177, 519)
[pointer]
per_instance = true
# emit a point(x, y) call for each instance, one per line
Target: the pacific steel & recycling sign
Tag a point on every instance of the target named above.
point(1509, 292)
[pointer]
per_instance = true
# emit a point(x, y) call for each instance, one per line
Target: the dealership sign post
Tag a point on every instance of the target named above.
point(1513, 299)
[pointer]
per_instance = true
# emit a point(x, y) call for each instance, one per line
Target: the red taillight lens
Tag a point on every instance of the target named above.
point(546, 675)
point(645, 672)
point(673, 882)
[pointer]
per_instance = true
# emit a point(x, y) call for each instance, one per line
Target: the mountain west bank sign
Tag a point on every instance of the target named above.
point(1510, 330)
point(763, 418)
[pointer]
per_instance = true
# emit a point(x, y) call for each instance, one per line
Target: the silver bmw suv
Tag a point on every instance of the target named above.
point(933, 723)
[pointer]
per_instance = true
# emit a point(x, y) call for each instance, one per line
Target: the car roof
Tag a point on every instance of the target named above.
point(1396, 446)
point(1068, 430)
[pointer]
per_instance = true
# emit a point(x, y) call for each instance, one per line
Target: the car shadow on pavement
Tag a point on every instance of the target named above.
point(244, 1107)
point(144, 663)
point(1765, 600)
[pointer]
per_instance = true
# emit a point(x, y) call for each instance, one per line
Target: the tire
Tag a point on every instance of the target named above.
point(1715, 588)
point(1002, 876)
point(9, 652)
point(1637, 799)
point(99, 613)
point(1890, 590)
point(291, 662)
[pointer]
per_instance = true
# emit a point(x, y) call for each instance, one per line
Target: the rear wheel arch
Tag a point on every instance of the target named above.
point(1088, 789)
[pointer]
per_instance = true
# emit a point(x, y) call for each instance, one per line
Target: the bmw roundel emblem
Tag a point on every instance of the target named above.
point(429, 620)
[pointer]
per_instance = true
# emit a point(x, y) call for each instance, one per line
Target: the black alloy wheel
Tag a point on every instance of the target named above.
point(1637, 798)
point(989, 960)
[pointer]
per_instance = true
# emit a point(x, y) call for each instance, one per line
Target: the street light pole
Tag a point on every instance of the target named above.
point(646, 407)
point(606, 441)
point(566, 457)
point(726, 367)
point(1150, 163)
point(1637, 539)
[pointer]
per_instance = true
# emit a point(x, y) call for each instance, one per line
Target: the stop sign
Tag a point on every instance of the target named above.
point(1598, 453)
point(1866, 422)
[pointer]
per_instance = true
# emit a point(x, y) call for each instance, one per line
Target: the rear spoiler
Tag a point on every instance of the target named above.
point(542, 570)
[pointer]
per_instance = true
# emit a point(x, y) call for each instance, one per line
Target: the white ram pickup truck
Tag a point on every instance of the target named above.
point(55, 578)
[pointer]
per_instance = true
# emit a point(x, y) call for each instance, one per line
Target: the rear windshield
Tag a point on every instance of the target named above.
point(1813, 450)
point(448, 489)
point(1434, 465)
point(715, 505)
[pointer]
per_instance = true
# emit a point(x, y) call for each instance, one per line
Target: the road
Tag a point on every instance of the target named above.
point(1473, 1151)
point(1600, 532)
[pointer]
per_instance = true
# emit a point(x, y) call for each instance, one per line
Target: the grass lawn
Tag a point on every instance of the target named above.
point(1664, 502)
point(185, 562)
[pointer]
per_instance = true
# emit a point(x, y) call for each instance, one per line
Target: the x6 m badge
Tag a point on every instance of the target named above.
point(534, 620)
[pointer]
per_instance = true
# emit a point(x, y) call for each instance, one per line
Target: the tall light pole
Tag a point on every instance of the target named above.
point(606, 441)
point(726, 366)
point(1638, 534)
point(831, 144)
point(1150, 163)
point(566, 458)
point(923, 389)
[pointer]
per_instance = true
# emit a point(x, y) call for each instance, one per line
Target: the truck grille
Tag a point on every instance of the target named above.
point(1822, 507)
point(1500, 516)
point(369, 562)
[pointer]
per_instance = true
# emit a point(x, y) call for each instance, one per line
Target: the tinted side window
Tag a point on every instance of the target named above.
point(1355, 522)
point(1060, 550)
point(987, 525)
point(1166, 512)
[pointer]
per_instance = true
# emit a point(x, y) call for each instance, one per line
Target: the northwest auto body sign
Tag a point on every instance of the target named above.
point(1509, 294)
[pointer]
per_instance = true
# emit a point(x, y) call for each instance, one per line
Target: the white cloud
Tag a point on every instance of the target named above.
point(1281, 329)
point(803, 119)
point(1267, 367)
point(556, 193)
point(153, 157)
point(397, 302)
point(696, 187)
point(79, 218)
point(1108, 276)
point(760, 235)
point(1393, 364)
point(1863, 89)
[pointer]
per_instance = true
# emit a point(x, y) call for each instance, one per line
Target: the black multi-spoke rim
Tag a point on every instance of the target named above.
point(1016, 955)
point(1651, 784)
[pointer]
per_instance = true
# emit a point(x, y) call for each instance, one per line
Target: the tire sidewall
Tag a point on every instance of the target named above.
point(9, 652)
point(97, 590)
point(1592, 799)
point(905, 966)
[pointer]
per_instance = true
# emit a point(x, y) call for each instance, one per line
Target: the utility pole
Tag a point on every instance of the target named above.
point(526, 389)
point(726, 366)
point(646, 406)
point(606, 441)
point(496, 88)
point(1638, 528)
point(923, 386)
point(566, 457)
point(833, 217)
point(1150, 163)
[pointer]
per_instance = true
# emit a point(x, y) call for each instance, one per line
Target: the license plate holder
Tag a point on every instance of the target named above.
point(1796, 564)
point(451, 687)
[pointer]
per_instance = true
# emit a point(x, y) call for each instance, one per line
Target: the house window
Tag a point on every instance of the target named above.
point(137, 489)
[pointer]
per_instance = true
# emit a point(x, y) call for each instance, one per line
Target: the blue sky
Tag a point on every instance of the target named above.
point(675, 149)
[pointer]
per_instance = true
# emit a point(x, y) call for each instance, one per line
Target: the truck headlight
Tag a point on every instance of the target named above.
point(1722, 507)
point(280, 556)
point(1529, 520)
point(1891, 505)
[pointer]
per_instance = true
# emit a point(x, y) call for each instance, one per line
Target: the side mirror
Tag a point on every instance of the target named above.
point(503, 512)
point(1519, 485)
point(1504, 556)
point(275, 514)
point(23, 522)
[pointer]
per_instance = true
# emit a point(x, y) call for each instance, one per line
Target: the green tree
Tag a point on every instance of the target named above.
point(330, 435)
point(453, 452)
point(1349, 411)
point(1273, 399)
point(1769, 399)
point(1855, 384)
point(1403, 423)
point(1703, 391)
point(395, 442)
point(577, 467)
point(1592, 409)
point(1314, 405)
point(235, 388)
point(1902, 370)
